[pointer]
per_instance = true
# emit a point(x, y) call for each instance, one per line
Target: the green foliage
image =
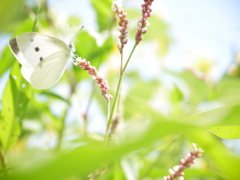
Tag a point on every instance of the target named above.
point(104, 14)
point(223, 122)
point(74, 21)
point(14, 103)
point(88, 49)
point(137, 102)
point(198, 89)
point(6, 15)
point(95, 155)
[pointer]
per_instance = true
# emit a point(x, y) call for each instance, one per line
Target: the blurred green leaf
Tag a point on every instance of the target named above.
point(11, 11)
point(227, 90)
point(104, 13)
point(88, 49)
point(226, 84)
point(74, 21)
point(137, 102)
point(55, 96)
point(41, 112)
point(198, 88)
point(226, 132)
point(6, 61)
point(176, 95)
point(15, 99)
point(227, 115)
point(223, 122)
point(90, 157)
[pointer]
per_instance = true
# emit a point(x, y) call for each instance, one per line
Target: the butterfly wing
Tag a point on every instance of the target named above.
point(27, 71)
point(33, 47)
point(49, 71)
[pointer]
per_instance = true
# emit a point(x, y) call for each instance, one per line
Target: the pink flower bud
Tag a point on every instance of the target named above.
point(144, 30)
point(198, 155)
point(145, 15)
point(124, 41)
point(171, 171)
point(182, 161)
point(176, 168)
point(92, 71)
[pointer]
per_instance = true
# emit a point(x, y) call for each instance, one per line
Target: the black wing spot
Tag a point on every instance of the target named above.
point(31, 40)
point(41, 58)
point(37, 49)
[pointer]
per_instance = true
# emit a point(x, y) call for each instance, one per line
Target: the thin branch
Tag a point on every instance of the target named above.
point(35, 21)
point(126, 64)
point(2, 160)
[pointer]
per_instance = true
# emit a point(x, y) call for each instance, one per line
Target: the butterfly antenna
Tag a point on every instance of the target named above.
point(75, 42)
point(74, 38)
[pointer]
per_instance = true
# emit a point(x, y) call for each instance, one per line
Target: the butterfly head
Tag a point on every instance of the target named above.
point(72, 47)
point(71, 44)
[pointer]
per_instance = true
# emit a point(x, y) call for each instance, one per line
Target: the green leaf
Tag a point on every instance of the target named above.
point(6, 60)
point(74, 21)
point(88, 49)
point(226, 132)
point(104, 14)
point(227, 90)
point(223, 122)
point(91, 156)
point(227, 115)
point(14, 102)
point(227, 84)
point(12, 14)
point(37, 111)
point(198, 89)
point(55, 96)
point(137, 101)
point(176, 95)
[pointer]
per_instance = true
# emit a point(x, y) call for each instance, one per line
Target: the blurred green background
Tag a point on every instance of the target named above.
point(181, 87)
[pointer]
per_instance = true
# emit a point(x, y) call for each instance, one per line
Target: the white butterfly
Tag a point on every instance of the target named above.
point(43, 58)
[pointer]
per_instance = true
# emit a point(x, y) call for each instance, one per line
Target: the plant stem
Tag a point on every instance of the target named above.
point(112, 109)
point(121, 64)
point(35, 21)
point(117, 93)
point(60, 133)
point(125, 66)
point(3, 164)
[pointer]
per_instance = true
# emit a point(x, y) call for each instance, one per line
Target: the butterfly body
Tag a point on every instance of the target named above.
point(43, 58)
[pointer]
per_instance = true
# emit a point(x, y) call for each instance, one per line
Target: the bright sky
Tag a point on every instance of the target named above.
point(210, 27)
